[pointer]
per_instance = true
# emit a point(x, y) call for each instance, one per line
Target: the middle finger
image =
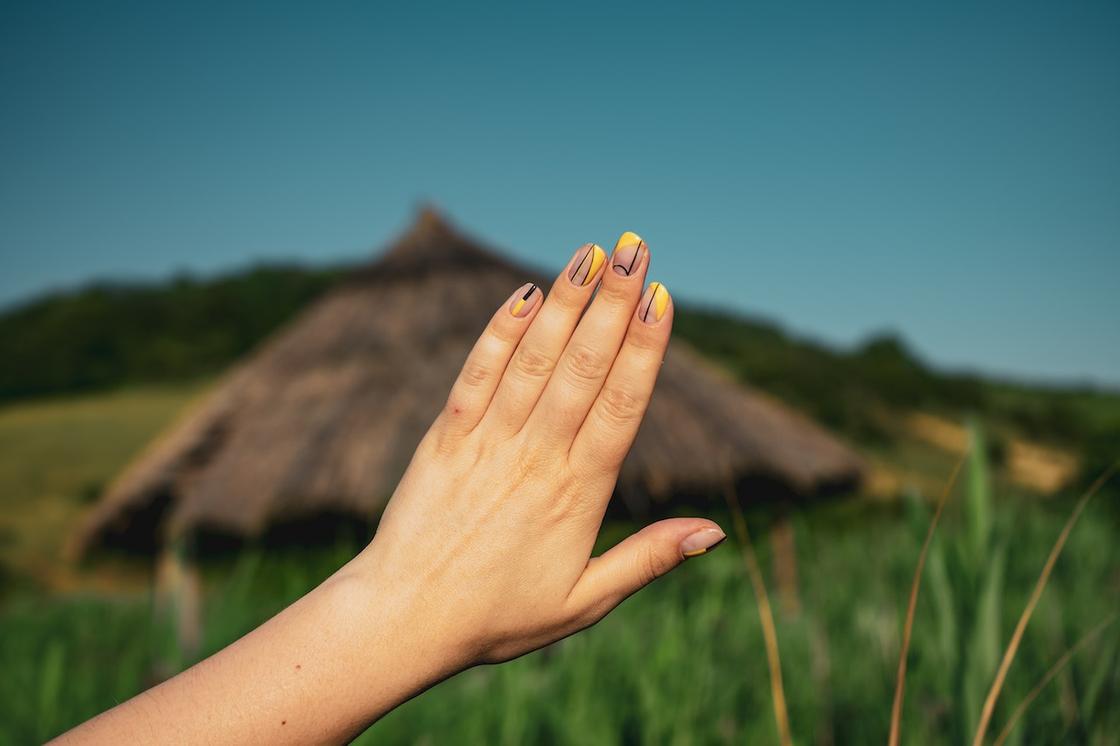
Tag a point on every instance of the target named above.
point(535, 358)
point(588, 357)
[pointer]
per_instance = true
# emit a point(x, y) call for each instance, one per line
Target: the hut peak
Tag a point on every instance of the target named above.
point(430, 224)
point(432, 244)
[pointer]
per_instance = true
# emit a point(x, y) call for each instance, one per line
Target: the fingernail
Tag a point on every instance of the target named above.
point(654, 303)
point(702, 542)
point(524, 300)
point(627, 253)
point(586, 263)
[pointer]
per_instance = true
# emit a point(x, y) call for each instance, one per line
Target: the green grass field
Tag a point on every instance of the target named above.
point(56, 455)
point(682, 663)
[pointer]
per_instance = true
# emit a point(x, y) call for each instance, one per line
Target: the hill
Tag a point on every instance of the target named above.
point(106, 336)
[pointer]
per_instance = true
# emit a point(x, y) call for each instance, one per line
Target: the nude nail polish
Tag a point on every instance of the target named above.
point(653, 304)
point(586, 263)
point(525, 300)
point(702, 542)
point(628, 252)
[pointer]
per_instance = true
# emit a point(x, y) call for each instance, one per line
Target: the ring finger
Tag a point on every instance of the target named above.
point(537, 353)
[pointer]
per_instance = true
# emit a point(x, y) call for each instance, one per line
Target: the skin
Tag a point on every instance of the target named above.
point(483, 553)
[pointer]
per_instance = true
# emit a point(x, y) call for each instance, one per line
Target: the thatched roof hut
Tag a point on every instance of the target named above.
point(323, 418)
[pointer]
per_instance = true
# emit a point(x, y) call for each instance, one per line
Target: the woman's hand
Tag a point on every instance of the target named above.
point(495, 519)
point(484, 552)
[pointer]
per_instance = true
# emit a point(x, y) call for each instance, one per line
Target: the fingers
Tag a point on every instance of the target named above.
point(610, 427)
point(637, 561)
point(589, 355)
point(535, 357)
point(474, 388)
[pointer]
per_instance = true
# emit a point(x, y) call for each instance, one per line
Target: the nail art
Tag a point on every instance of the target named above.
point(527, 297)
point(586, 264)
point(627, 253)
point(654, 303)
point(702, 542)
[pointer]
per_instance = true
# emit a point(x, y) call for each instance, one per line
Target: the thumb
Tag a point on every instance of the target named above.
point(638, 560)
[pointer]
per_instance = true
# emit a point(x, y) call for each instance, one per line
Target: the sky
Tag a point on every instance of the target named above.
point(948, 171)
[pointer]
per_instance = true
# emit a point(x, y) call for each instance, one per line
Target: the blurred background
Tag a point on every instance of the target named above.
point(892, 235)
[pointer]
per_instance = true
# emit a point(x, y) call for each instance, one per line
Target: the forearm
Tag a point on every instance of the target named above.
point(320, 671)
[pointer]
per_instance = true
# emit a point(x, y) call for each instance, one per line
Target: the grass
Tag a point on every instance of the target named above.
point(684, 662)
point(1057, 668)
point(1032, 603)
point(765, 615)
point(912, 606)
point(55, 457)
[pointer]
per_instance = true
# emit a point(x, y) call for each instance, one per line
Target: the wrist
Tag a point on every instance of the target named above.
point(406, 640)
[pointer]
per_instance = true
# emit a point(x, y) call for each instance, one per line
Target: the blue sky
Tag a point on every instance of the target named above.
point(948, 170)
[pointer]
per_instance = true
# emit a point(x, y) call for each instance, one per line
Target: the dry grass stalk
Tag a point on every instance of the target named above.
point(915, 586)
point(765, 615)
point(784, 548)
point(1032, 602)
point(1054, 671)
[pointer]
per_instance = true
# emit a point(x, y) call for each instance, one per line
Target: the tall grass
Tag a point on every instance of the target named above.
point(978, 563)
point(980, 558)
point(684, 661)
point(765, 615)
point(968, 590)
point(1054, 670)
point(912, 606)
point(1032, 603)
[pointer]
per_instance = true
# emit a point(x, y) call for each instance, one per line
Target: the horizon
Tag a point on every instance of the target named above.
point(948, 174)
point(348, 264)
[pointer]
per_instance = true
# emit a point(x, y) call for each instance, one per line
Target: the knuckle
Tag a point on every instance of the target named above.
point(532, 363)
point(438, 441)
point(530, 461)
point(591, 614)
point(615, 293)
point(585, 364)
point(650, 566)
point(507, 334)
point(617, 405)
point(645, 341)
point(475, 374)
point(456, 404)
point(566, 295)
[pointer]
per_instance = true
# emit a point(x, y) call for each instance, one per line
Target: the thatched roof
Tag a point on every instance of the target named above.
point(324, 417)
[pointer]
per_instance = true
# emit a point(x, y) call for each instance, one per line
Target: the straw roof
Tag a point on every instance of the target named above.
point(324, 416)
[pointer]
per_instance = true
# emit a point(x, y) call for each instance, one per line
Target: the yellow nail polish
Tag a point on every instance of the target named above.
point(629, 238)
point(587, 267)
point(654, 303)
point(526, 299)
point(627, 253)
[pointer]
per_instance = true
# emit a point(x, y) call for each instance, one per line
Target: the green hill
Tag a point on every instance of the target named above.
point(107, 336)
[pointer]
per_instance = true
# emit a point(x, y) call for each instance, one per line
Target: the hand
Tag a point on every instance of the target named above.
point(494, 522)
point(484, 552)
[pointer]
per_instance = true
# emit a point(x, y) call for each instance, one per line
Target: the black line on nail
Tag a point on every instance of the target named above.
point(637, 250)
point(655, 288)
point(633, 259)
point(529, 292)
point(590, 248)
